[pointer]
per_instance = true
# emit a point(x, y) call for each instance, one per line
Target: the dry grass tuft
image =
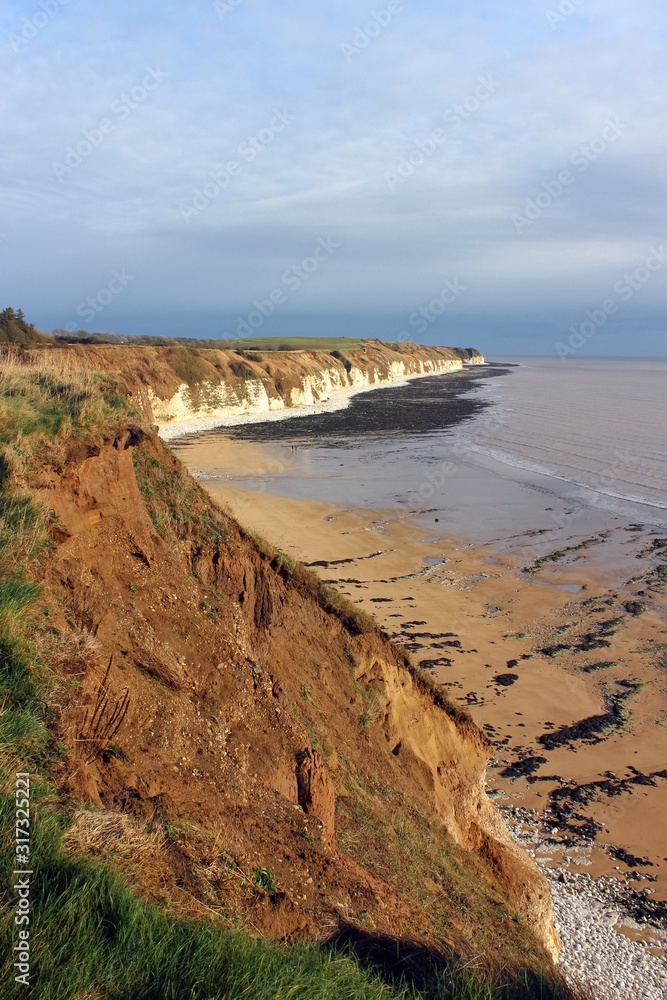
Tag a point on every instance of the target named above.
point(115, 836)
point(157, 659)
point(99, 727)
point(73, 652)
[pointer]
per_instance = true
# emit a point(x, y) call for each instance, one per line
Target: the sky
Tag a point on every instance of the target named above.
point(473, 173)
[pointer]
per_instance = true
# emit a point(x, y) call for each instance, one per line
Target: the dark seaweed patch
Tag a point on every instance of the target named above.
point(523, 768)
point(505, 680)
point(629, 859)
point(634, 608)
point(591, 668)
point(595, 727)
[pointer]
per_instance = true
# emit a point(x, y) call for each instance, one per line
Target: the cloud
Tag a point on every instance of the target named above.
point(221, 76)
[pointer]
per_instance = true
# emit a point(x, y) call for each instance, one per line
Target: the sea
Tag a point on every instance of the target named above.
point(516, 448)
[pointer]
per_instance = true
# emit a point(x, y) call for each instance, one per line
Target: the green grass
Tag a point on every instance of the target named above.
point(91, 936)
point(393, 842)
point(40, 407)
point(265, 879)
point(189, 365)
point(176, 504)
point(293, 344)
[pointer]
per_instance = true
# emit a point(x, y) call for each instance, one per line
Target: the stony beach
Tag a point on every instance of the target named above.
point(489, 631)
point(604, 946)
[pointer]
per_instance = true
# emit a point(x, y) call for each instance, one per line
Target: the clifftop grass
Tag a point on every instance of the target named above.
point(50, 402)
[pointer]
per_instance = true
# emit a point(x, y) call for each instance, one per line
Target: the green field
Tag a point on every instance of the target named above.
point(293, 344)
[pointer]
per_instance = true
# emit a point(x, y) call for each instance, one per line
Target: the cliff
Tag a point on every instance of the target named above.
point(184, 389)
point(221, 714)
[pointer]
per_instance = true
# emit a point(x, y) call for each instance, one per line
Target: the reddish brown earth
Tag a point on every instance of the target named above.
point(279, 763)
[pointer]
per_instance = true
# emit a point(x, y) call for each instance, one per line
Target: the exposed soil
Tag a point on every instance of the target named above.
point(269, 743)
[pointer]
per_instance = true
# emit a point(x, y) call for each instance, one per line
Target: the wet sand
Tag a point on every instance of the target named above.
point(568, 683)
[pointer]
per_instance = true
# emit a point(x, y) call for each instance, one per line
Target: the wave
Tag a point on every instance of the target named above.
point(526, 465)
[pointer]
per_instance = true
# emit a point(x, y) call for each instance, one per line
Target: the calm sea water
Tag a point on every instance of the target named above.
point(586, 439)
point(599, 424)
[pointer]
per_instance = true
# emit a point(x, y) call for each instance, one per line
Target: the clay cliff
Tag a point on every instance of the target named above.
point(257, 706)
point(287, 766)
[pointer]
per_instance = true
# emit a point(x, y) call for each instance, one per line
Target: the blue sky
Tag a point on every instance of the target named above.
point(173, 168)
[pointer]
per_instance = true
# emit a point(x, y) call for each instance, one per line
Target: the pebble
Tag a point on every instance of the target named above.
point(586, 911)
point(595, 953)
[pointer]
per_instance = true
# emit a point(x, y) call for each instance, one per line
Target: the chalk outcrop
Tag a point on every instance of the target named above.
point(184, 390)
point(297, 380)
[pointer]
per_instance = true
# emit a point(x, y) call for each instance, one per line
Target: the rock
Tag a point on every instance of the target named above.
point(316, 791)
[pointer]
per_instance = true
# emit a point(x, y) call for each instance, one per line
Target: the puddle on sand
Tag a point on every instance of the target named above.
point(569, 588)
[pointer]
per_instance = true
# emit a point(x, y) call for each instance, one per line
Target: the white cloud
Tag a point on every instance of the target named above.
point(326, 171)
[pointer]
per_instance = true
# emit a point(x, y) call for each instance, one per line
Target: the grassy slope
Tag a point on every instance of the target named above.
point(91, 936)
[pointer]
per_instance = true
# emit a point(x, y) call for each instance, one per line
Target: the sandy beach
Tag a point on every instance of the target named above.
point(567, 682)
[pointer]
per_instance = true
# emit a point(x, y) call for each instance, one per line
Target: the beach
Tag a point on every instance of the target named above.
point(545, 618)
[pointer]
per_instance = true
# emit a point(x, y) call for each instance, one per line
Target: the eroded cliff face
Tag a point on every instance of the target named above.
point(185, 389)
point(448, 756)
point(299, 380)
point(267, 729)
point(293, 382)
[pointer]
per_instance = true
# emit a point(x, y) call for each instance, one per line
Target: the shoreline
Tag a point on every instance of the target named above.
point(603, 947)
point(456, 425)
point(343, 396)
point(467, 612)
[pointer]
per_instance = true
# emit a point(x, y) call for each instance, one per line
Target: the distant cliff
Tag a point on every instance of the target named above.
point(184, 389)
point(294, 380)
